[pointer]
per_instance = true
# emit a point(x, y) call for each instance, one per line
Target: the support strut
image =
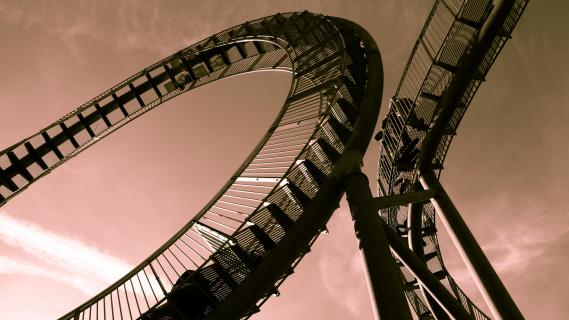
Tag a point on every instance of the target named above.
point(425, 277)
point(493, 290)
point(383, 277)
point(415, 226)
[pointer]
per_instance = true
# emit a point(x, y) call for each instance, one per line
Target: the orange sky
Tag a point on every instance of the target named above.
point(119, 200)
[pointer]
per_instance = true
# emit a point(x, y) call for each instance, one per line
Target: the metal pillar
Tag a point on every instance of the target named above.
point(383, 276)
point(415, 226)
point(425, 277)
point(495, 294)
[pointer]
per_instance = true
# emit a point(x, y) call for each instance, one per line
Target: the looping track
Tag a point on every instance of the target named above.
point(233, 255)
point(244, 224)
point(409, 144)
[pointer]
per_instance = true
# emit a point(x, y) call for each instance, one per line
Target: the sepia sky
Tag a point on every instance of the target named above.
point(87, 223)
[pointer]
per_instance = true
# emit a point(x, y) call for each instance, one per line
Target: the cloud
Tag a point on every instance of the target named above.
point(341, 269)
point(514, 250)
point(122, 26)
point(72, 255)
point(340, 279)
point(9, 266)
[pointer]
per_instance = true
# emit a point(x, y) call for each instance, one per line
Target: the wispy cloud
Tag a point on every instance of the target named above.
point(125, 26)
point(9, 266)
point(531, 239)
point(341, 270)
point(344, 288)
point(81, 262)
point(514, 249)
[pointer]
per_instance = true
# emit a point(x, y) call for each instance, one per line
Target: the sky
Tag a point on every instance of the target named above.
point(91, 220)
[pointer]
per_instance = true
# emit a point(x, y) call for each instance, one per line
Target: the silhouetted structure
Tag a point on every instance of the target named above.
point(233, 255)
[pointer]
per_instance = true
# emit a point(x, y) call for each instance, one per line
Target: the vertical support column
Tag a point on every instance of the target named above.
point(414, 223)
point(384, 280)
point(495, 294)
point(415, 226)
point(424, 276)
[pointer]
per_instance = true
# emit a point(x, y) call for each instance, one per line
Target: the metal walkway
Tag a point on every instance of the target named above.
point(234, 254)
point(246, 223)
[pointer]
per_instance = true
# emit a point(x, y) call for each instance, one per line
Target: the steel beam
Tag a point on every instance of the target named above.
point(415, 241)
point(383, 275)
point(493, 290)
point(424, 276)
point(386, 202)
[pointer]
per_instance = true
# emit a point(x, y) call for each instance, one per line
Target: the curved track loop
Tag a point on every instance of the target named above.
point(451, 29)
point(227, 241)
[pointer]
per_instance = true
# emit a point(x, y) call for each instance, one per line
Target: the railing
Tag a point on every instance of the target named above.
point(223, 243)
point(447, 35)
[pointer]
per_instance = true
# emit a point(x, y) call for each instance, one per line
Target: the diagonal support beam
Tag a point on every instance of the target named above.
point(425, 277)
point(493, 290)
point(402, 199)
point(415, 239)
